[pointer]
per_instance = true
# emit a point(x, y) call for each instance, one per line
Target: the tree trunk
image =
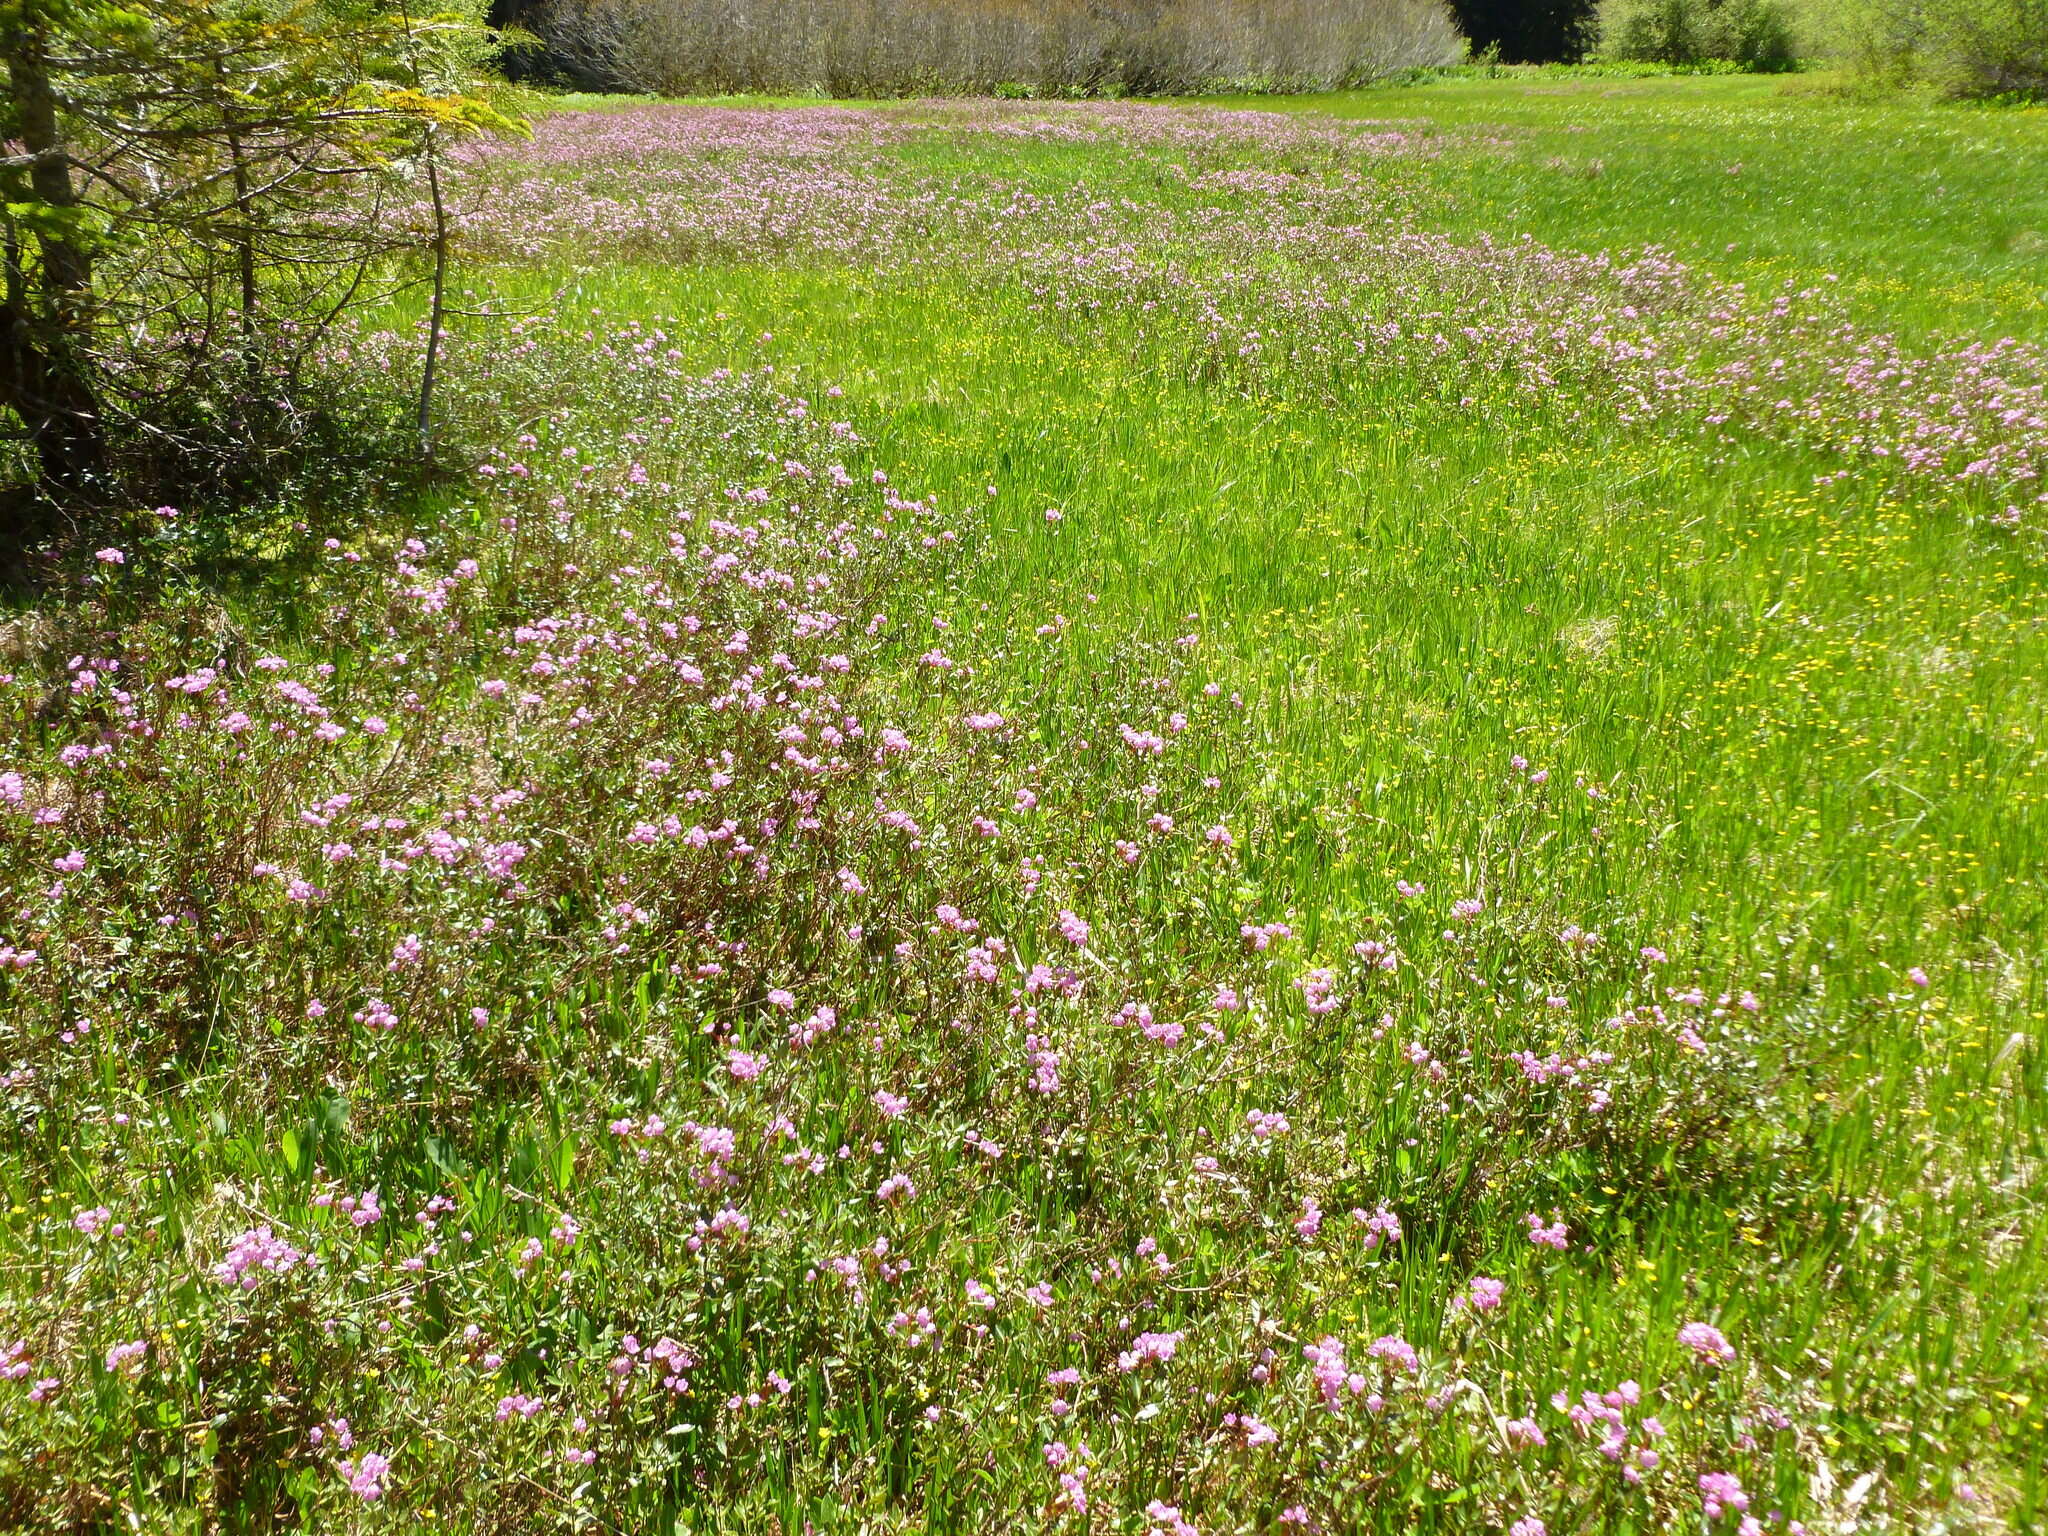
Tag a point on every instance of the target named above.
point(437, 307)
point(47, 315)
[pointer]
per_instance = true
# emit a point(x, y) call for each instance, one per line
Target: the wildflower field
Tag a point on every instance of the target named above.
point(1179, 818)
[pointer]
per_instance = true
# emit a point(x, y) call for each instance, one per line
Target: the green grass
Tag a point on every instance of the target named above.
point(1929, 213)
point(1850, 661)
point(1413, 575)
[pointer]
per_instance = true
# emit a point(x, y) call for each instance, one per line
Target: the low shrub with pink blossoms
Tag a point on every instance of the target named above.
point(636, 1002)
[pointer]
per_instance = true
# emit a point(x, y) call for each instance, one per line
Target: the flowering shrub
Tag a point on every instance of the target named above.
point(635, 1002)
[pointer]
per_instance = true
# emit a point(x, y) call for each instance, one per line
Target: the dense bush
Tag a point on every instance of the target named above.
point(1962, 47)
point(1958, 47)
point(192, 198)
point(1062, 47)
point(1754, 34)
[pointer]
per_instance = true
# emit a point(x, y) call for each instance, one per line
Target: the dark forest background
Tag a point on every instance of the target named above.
point(1528, 31)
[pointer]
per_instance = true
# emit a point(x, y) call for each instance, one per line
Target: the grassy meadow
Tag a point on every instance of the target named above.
point(1307, 815)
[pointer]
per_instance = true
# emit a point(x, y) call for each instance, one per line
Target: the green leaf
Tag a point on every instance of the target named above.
point(290, 1145)
point(565, 1161)
point(442, 1154)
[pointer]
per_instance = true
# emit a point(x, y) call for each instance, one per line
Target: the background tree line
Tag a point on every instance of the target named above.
point(1530, 31)
point(1167, 47)
point(1958, 47)
point(1043, 47)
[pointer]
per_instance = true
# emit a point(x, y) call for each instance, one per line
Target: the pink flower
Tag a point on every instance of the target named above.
point(364, 1210)
point(1266, 1123)
point(257, 1252)
point(1381, 1226)
point(1318, 990)
point(1483, 1295)
point(1708, 1345)
point(1556, 1235)
point(1045, 1064)
point(1720, 1492)
point(1395, 1352)
point(1523, 1434)
point(1311, 1220)
point(1143, 743)
point(366, 1477)
point(1168, 1032)
point(110, 557)
point(1333, 1376)
point(377, 1014)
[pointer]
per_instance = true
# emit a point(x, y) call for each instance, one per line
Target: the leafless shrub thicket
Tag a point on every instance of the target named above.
point(941, 47)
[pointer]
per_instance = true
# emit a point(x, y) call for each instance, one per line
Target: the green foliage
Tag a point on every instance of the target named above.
point(204, 194)
point(1751, 34)
point(1746, 175)
point(1959, 47)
